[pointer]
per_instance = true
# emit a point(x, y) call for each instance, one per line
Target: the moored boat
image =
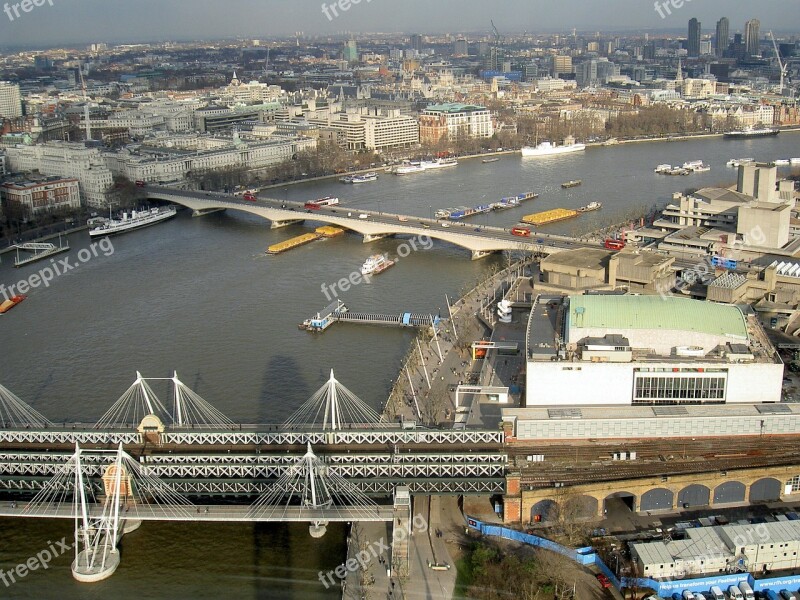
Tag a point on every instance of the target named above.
point(136, 219)
point(570, 184)
point(750, 132)
point(550, 149)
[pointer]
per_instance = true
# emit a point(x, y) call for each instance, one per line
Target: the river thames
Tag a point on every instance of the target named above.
point(198, 295)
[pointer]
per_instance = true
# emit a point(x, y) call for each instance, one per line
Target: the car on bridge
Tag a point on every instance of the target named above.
point(250, 197)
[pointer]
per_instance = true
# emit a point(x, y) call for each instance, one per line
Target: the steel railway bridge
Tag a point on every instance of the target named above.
point(335, 459)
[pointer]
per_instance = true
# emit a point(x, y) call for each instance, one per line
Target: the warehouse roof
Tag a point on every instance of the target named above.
point(656, 313)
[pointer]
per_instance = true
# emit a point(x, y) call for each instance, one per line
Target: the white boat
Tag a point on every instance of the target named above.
point(738, 162)
point(696, 166)
point(663, 168)
point(136, 219)
point(782, 162)
point(366, 177)
point(377, 263)
point(407, 168)
point(486, 161)
point(590, 207)
point(794, 161)
point(439, 163)
point(549, 149)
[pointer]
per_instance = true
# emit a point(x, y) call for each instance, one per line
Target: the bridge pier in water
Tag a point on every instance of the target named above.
point(281, 224)
point(374, 237)
point(478, 254)
point(201, 212)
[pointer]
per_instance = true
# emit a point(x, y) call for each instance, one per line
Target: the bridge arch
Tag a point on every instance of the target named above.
point(765, 490)
point(627, 498)
point(657, 499)
point(580, 507)
point(694, 495)
point(545, 510)
point(371, 228)
point(730, 492)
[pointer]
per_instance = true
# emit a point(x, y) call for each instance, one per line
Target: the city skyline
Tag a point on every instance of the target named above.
point(152, 20)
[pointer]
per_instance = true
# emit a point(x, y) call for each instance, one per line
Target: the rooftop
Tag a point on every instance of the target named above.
point(580, 258)
point(655, 312)
point(454, 107)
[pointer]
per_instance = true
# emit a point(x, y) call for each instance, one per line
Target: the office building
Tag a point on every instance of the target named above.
point(43, 196)
point(455, 121)
point(752, 37)
point(10, 100)
point(70, 160)
point(350, 52)
point(460, 47)
point(723, 36)
point(693, 41)
point(416, 42)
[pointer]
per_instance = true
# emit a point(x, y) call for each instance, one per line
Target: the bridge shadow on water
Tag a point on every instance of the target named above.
point(283, 389)
point(287, 561)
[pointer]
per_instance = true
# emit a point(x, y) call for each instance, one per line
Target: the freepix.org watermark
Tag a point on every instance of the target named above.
point(26, 6)
point(333, 9)
point(331, 291)
point(377, 550)
point(34, 563)
point(663, 7)
point(56, 268)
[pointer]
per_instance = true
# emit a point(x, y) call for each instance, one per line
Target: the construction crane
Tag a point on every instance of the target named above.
point(85, 104)
point(498, 39)
point(781, 65)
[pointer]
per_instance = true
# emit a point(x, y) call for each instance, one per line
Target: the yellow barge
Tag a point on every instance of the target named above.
point(550, 216)
point(292, 243)
point(329, 231)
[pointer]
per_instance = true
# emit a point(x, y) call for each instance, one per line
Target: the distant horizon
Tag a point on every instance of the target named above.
point(71, 23)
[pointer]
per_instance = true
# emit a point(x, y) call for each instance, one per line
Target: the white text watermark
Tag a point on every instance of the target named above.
point(332, 10)
point(355, 278)
point(26, 6)
point(662, 7)
point(56, 268)
point(40, 561)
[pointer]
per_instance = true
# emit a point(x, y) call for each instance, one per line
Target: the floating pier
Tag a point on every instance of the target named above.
point(293, 243)
point(337, 311)
point(550, 216)
point(40, 250)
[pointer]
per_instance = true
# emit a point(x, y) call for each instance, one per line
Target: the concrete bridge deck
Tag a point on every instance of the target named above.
point(479, 240)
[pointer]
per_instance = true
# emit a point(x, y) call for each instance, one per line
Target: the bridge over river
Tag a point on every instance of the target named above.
point(373, 225)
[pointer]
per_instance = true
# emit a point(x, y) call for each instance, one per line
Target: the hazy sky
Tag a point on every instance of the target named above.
point(72, 21)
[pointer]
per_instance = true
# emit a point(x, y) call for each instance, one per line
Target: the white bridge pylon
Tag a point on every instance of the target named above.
point(311, 488)
point(16, 413)
point(335, 408)
point(189, 409)
point(126, 493)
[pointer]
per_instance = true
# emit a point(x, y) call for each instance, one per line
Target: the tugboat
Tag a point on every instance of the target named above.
point(590, 207)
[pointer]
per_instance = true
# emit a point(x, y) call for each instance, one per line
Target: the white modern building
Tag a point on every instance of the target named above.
point(612, 350)
point(43, 196)
point(10, 100)
point(66, 159)
point(370, 128)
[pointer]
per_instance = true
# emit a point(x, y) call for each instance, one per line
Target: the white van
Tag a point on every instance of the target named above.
point(716, 593)
point(687, 595)
point(734, 593)
point(747, 591)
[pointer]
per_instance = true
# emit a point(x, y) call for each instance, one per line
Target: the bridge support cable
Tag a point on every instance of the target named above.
point(317, 492)
point(108, 493)
point(334, 407)
point(190, 409)
point(139, 400)
point(14, 413)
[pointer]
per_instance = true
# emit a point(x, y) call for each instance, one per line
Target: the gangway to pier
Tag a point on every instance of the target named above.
point(40, 250)
point(339, 312)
